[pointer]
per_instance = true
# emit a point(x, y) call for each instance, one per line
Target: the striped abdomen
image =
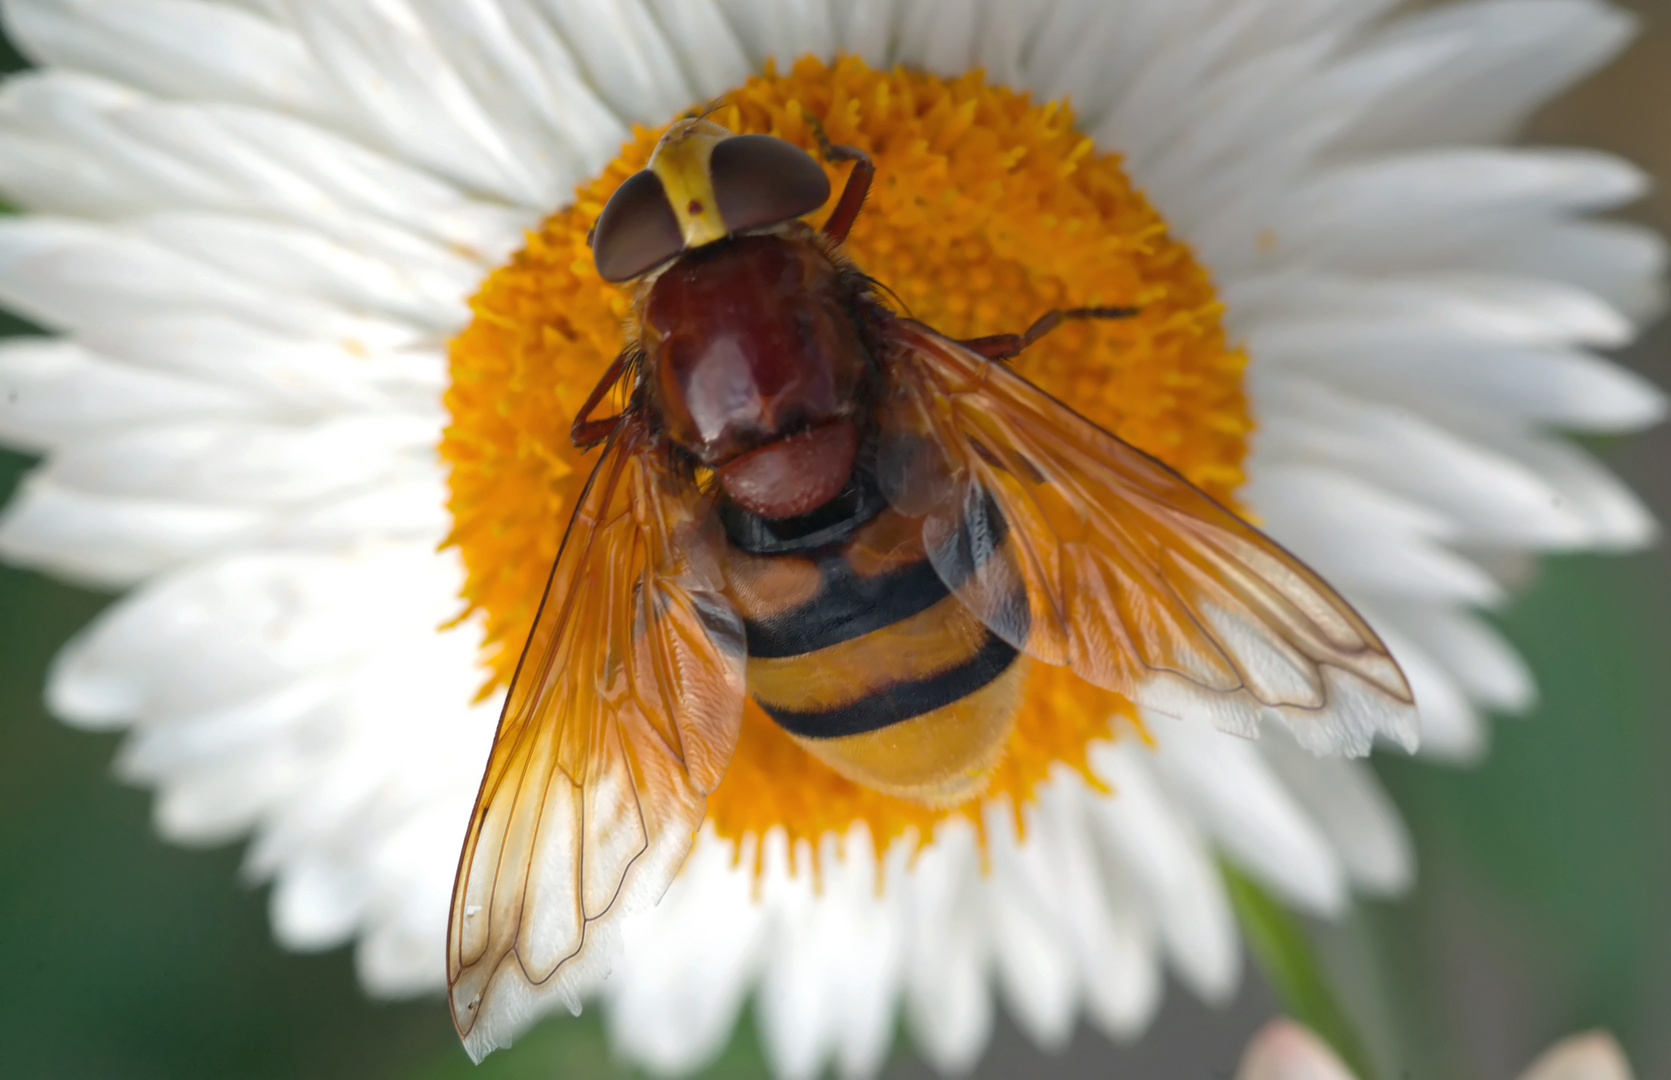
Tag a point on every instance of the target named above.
point(860, 653)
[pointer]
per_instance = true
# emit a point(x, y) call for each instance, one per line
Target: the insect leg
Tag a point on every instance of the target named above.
point(858, 182)
point(1008, 346)
point(587, 432)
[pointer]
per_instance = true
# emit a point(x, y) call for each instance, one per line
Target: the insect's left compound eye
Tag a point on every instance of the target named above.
point(636, 230)
point(761, 180)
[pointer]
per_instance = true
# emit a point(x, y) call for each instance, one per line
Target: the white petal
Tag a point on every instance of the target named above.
point(227, 463)
point(1232, 794)
point(1623, 264)
point(407, 508)
point(1518, 54)
point(1451, 729)
point(1476, 656)
point(415, 283)
point(179, 48)
point(219, 803)
point(713, 55)
point(831, 974)
point(687, 964)
point(1617, 518)
point(624, 55)
point(56, 394)
point(1034, 963)
point(1420, 210)
point(794, 1019)
point(114, 540)
point(782, 32)
point(1483, 496)
point(102, 541)
point(940, 36)
point(175, 738)
point(1170, 863)
point(947, 1006)
point(866, 29)
point(242, 625)
point(870, 981)
point(1361, 538)
point(1456, 377)
point(314, 174)
point(112, 151)
point(314, 907)
point(351, 807)
point(1108, 935)
point(1245, 106)
point(1229, 220)
point(291, 375)
point(393, 74)
point(1176, 64)
point(64, 156)
point(70, 275)
point(1354, 812)
point(1280, 312)
point(400, 951)
point(515, 64)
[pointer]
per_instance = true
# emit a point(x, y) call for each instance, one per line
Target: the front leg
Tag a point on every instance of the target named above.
point(999, 347)
point(586, 432)
point(852, 199)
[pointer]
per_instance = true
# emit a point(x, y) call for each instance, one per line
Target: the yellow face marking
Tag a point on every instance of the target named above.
point(681, 161)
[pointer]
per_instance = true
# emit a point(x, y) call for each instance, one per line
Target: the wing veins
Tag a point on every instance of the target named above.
point(586, 920)
point(575, 755)
point(1145, 563)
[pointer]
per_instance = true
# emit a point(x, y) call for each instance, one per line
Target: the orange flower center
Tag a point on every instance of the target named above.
point(988, 210)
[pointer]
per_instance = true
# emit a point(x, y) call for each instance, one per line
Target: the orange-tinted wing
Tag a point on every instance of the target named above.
point(1079, 549)
point(620, 720)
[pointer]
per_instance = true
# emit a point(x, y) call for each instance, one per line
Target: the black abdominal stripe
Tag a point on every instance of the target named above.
point(819, 646)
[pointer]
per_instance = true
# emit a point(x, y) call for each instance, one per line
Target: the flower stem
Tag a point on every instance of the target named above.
point(1281, 949)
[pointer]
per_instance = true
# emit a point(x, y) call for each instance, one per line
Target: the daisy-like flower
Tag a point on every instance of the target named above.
point(276, 414)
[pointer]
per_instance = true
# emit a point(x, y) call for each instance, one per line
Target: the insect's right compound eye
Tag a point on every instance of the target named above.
point(637, 229)
point(761, 180)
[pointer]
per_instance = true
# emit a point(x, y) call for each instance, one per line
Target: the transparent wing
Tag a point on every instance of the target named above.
point(1083, 551)
point(620, 720)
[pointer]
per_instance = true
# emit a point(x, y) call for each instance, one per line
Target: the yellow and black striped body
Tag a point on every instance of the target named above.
point(860, 652)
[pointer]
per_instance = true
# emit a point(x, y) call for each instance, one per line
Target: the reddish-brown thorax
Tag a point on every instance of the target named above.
point(755, 365)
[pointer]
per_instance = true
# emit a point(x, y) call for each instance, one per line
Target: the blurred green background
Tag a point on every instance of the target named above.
point(1544, 903)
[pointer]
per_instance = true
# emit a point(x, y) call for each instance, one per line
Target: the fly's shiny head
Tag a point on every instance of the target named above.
point(702, 184)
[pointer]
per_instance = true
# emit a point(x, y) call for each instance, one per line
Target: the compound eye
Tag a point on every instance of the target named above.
point(761, 180)
point(637, 229)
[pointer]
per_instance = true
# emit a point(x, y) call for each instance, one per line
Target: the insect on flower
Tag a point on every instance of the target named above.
point(867, 526)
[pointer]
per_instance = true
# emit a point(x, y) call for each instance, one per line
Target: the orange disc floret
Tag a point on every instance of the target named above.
point(988, 210)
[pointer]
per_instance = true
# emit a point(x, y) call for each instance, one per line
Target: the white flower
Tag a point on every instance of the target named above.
point(255, 225)
point(1283, 1050)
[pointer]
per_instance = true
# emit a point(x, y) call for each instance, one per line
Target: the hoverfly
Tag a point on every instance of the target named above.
point(865, 525)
